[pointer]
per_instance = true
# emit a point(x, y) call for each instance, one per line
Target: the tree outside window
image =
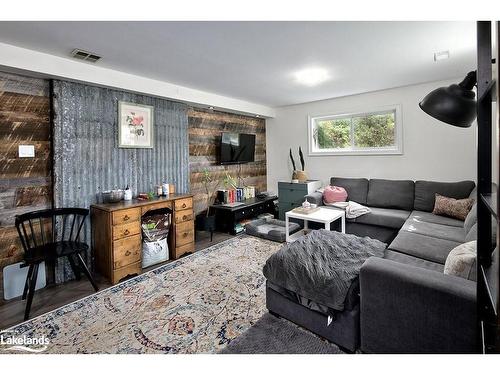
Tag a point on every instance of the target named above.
point(374, 132)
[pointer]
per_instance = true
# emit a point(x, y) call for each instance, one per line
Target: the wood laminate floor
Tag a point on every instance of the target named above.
point(50, 298)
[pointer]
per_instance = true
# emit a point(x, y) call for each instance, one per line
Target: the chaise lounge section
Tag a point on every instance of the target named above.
point(407, 303)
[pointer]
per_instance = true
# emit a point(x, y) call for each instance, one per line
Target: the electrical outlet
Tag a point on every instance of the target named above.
point(26, 151)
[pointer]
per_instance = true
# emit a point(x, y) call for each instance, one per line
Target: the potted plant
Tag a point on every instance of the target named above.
point(298, 175)
point(229, 182)
point(205, 221)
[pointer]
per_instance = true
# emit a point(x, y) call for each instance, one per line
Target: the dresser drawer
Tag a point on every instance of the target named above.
point(181, 250)
point(126, 251)
point(183, 215)
point(156, 206)
point(287, 206)
point(184, 233)
point(129, 270)
point(293, 186)
point(292, 195)
point(183, 204)
point(126, 216)
point(126, 230)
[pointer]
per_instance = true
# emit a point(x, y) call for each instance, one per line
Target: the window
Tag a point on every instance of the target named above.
point(374, 132)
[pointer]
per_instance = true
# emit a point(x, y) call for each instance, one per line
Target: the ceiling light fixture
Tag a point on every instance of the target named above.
point(311, 76)
point(442, 55)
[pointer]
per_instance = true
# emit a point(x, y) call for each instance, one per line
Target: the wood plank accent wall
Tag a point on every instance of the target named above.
point(205, 128)
point(25, 183)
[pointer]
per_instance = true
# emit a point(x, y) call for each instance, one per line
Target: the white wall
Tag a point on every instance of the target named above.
point(22, 60)
point(432, 150)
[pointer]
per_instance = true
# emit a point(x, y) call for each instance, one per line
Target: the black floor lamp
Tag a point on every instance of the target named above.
point(456, 104)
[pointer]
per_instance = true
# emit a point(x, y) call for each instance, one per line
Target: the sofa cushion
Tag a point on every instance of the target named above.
point(471, 235)
point(413, 261)
point(471, 218)
point(383, 217)
point(357, 188)
point(428, 217)
point(422, 246)
point(425, 192)
point(461, 261)
point(445, 232)
point(383, 234)
point(397, 194)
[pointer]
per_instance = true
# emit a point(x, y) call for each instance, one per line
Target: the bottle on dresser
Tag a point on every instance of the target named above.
point(165, 189)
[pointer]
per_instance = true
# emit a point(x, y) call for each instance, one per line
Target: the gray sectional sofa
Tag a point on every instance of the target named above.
point(407, 303)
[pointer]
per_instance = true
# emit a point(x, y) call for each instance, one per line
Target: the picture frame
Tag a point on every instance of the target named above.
point(135, 125)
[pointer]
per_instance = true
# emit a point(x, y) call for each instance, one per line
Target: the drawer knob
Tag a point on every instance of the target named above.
point(184, 217)
point(185, 234)
point(184, 205)
point(127, 253)
point(126, 217)
point(126, 232)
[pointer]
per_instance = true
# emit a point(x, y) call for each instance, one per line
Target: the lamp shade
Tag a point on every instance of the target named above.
point(455, 104)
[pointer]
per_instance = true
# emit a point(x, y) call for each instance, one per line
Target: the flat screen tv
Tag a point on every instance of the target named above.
point(237, 148)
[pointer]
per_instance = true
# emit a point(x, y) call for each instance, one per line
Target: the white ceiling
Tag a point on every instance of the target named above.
point(256, 61)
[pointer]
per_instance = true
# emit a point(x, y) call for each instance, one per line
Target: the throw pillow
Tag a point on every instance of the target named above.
point(457, 208)
point(461, 261)
point(333, 194)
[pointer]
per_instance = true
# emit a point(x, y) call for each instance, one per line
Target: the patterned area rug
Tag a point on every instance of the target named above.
point(197, 304)
point(272, 335)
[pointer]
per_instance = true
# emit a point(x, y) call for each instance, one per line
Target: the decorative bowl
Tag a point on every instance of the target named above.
point(112, 196)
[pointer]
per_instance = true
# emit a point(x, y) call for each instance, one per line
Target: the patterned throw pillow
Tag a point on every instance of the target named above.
point(461, 261)
point(457, 208)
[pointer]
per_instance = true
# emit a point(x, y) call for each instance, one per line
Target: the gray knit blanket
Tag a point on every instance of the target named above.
point(321, 265)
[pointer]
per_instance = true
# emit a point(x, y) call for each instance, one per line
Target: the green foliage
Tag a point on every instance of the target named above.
point(369, 131)
point(210, 187)
point(333, 133)
point(374, 130)
point(229, 181)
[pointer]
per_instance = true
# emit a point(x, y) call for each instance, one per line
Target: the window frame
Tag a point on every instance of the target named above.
point(397, 149)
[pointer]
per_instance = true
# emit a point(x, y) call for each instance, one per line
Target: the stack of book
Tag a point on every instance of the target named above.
point(235, 195)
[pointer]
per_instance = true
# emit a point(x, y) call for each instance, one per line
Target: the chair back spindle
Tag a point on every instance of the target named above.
point(40, 245)
point(42, 227)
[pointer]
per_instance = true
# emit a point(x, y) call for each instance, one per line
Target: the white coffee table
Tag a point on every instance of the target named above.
point(323, 215)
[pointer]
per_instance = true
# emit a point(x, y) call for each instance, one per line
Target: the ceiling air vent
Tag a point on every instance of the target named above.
point(84, 55)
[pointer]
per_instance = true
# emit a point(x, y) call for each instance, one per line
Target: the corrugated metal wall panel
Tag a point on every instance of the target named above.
point(87, 159)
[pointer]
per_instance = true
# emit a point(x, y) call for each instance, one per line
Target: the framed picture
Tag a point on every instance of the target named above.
point(135, 125)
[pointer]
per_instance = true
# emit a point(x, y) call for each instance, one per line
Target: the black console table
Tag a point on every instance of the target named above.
point(226, 217)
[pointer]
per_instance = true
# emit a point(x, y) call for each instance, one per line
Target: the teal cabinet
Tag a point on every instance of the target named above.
point(291, 195)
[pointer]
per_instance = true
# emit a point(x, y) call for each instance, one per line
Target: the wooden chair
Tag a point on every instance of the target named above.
point(47, 235)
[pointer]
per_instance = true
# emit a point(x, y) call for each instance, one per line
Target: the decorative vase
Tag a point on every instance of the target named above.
point(299, 175)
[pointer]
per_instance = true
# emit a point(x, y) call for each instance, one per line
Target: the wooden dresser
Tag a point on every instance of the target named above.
point(117, 238)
